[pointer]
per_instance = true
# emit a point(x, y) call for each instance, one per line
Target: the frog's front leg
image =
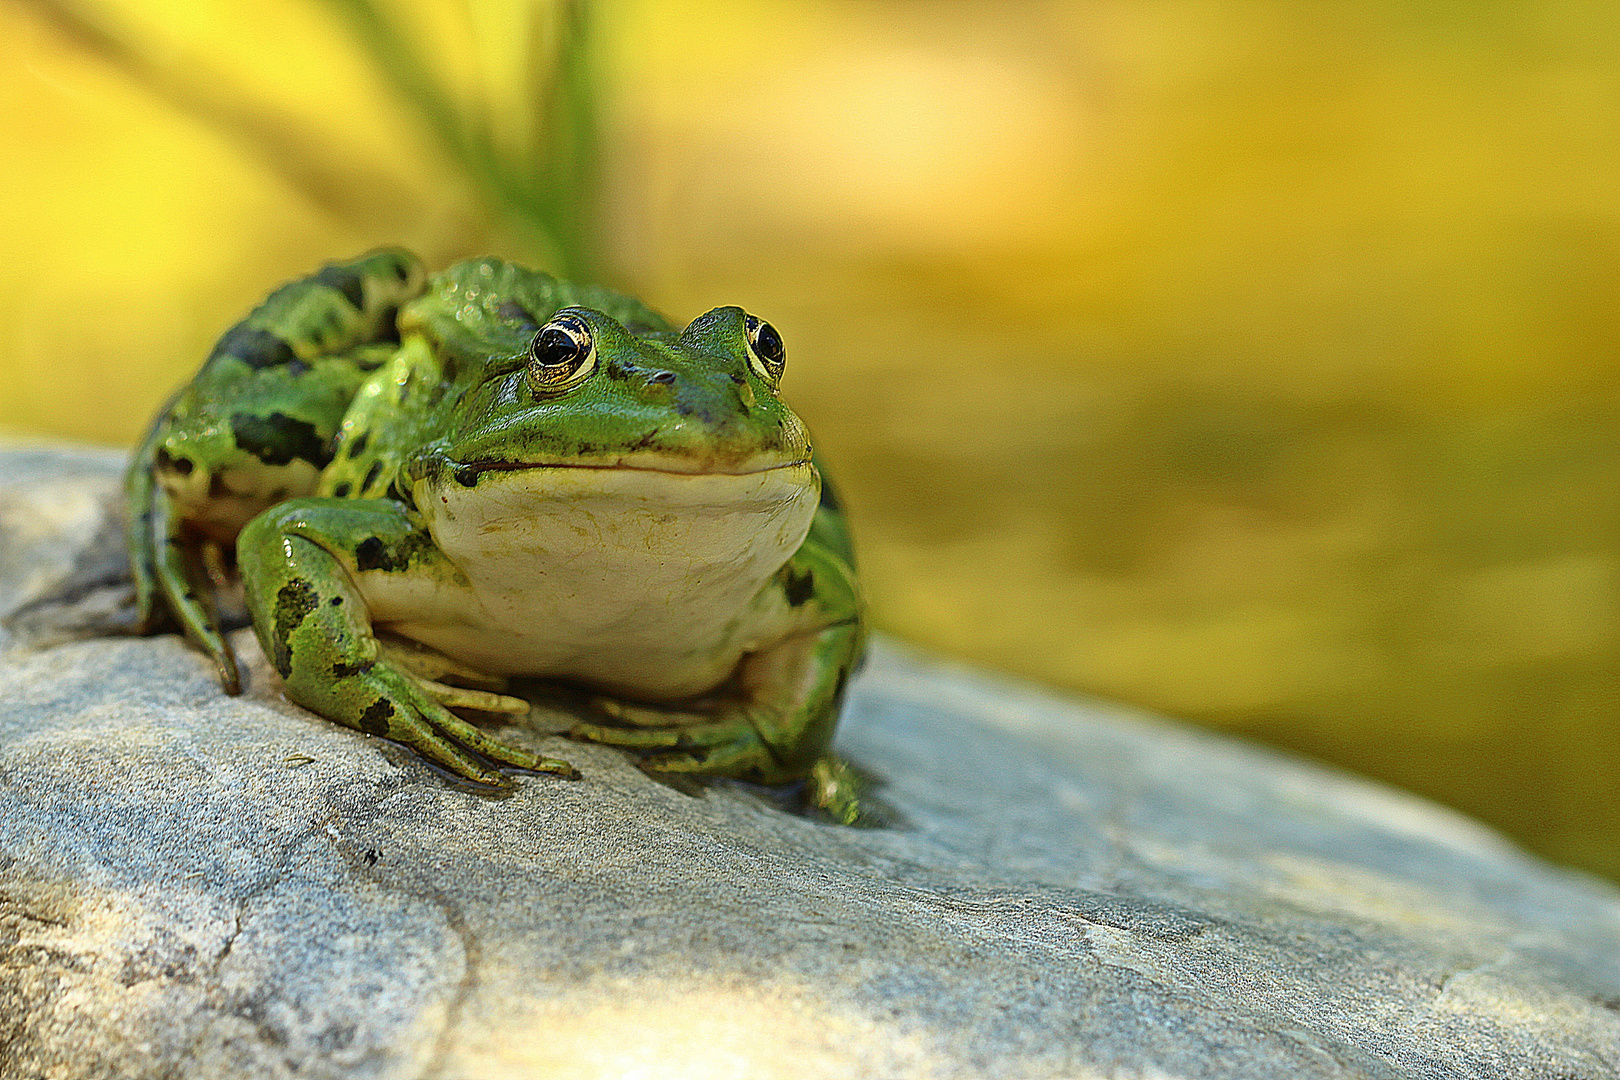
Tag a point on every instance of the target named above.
point(299, 568)
point(777, 724)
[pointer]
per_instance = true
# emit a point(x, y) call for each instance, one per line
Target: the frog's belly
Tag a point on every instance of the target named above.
point(650, 585)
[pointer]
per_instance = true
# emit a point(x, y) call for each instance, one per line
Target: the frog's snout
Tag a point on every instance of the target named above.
point(713, 395)
point(649, 381)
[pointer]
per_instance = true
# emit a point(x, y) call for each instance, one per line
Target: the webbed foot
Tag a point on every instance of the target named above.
point(413, 711)
point(725, 742)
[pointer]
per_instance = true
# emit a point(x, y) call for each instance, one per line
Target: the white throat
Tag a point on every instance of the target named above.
point(630, 579)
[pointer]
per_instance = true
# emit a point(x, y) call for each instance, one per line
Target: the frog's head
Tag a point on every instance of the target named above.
point(593, 393)
point(620, 419)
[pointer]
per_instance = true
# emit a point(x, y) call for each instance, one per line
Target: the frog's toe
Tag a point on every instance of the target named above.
point(835, 789)
point(741, 759)
point(230, 676)
point(645, 716)
point(725, 747)
point(645, 738)
point(487, 746)
point(704, 736)
point(462, 697)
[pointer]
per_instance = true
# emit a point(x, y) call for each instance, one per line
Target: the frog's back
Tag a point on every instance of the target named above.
point(255, 425)
point(487, 309)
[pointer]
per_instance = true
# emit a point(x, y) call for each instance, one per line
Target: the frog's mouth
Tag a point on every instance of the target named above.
point(468, 473)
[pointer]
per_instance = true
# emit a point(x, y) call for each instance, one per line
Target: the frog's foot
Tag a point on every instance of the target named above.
point(834, 789)
point(170, 565)
point(412, 711)
point(726, 742)
point(189, 590)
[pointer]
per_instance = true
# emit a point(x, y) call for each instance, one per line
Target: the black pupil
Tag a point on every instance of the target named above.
point(768, 343)
point(555, 347)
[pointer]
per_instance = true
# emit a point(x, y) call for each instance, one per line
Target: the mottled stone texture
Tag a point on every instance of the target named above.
point(199, 886)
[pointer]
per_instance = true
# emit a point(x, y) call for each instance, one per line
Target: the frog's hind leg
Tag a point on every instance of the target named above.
point(167, 563)
point(182, 580)
point(773, 724)
point(141, 493)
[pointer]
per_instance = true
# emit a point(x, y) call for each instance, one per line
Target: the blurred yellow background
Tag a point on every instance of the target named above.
point(1251, 360)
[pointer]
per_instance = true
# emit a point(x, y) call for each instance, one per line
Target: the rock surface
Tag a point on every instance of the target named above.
point(198, 886)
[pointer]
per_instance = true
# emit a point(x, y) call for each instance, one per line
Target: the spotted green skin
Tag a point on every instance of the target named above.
point(348, 399)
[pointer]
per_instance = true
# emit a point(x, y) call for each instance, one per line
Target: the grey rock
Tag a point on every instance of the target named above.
point(199, 886)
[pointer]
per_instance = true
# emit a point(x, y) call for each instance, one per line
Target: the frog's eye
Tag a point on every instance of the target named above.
point(765, 349)
point(561, 354)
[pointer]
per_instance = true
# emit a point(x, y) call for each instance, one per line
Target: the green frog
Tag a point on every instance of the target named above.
point(434, 484)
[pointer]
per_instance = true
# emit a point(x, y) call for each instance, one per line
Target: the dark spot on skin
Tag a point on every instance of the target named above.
point(254, 347)
point(357, 446)
point(512, 311)
point(180, 465)
point(702, 409)
point(337, 601)
point(374, 721)
point(829, 497)
point(371, 476)
point(467, 476)
point(294, 602)
point(346, 280)
point(341, 670)
point(373, 554)
point(372, 855)
point(388, 326)
point(341, 490)
point(278, 438)
point(799, 586)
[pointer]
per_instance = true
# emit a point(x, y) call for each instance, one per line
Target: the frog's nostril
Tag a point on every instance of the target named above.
point(663, 378)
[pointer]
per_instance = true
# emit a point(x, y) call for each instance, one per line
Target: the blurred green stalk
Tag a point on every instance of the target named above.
point(544, 192)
